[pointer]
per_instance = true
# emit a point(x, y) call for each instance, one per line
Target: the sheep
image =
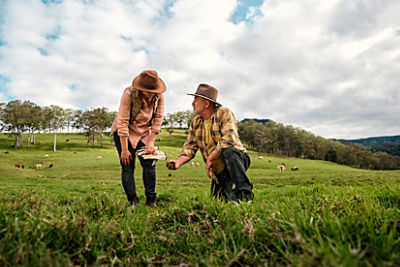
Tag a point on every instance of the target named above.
point(260, 157)
point(270, 160)
point(281, 167)
point(38, 166)
point(99, 157)
point(51, 165)
point(192, 163)
point(295, 168)
point(46, 156)
point(17, 165)
point(197, 164)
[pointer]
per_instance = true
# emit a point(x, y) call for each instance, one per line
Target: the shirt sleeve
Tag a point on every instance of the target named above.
point(228, 128)
point(124, 114)
point(190, 146)
point(158, 116)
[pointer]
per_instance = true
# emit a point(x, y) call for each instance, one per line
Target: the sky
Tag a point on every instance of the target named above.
point(329, 67)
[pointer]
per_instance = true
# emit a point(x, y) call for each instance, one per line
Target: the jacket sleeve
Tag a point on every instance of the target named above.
point(123, 116)
point(190, 146)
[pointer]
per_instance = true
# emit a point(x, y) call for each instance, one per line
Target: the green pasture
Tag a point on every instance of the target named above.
point(73, 211)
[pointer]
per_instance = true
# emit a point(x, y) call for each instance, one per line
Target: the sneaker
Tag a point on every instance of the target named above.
point(135, 201)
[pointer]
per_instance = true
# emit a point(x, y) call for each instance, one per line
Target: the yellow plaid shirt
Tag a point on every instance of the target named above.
point(223, 131)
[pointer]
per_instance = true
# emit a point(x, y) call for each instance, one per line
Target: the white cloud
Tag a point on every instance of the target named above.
point(330, 67)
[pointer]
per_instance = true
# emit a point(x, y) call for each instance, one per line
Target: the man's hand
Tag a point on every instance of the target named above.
point(126, 157)
point(150, 147)
point(172, 165)
point(209, 167)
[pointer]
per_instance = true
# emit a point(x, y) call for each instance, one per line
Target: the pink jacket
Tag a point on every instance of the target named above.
point(138, 129)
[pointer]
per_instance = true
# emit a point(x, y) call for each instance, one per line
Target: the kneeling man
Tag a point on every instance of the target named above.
point(214, 132)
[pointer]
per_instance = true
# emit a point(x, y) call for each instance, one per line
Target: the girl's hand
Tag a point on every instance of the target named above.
point(150, 148)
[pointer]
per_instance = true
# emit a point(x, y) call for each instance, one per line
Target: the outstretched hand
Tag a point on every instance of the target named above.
point(171, 165)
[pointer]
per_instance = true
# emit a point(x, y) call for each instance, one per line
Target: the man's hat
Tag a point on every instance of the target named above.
point(207, 92)
point(149, 81)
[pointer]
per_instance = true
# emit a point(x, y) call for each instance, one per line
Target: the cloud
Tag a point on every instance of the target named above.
point(330, 67)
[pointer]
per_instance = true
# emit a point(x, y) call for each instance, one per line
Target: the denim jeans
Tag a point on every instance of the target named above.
point(128, 180)
point(236, 164)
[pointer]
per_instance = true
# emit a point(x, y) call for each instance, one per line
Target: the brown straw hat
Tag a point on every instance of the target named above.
point(207, 92)
point(149, 81)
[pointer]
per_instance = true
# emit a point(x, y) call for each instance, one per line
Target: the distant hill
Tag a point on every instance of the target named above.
point(388, 144)
point(257, 120)
point(374, 141)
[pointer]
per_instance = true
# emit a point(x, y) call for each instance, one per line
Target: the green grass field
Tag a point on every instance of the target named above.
point(76, 212)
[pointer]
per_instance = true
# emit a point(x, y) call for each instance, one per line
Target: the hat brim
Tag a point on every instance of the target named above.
point(206, 98)
point(160, 86)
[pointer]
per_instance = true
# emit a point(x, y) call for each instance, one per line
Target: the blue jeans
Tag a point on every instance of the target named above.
point(128, 180)
point(236, 165)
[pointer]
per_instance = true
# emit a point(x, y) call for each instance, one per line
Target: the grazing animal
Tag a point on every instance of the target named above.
point(99, 157)
point(66, 140)
point(51, 165)
point(197, 164)
point(295, 168)
point(46, 156)
point(281, 167)
point(260, 157)
point(75, 152)
point(40, 142)
point(192, 163)
point(38, 166)
point(270, 160)
point(17, 165)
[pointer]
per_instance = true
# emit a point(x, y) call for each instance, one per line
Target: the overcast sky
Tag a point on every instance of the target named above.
point(329, 67)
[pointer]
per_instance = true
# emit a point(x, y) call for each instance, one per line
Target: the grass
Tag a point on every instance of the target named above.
point(76, 213)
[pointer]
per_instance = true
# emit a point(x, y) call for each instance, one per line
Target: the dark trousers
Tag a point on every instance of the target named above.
point(128, 180)
point(236, 165)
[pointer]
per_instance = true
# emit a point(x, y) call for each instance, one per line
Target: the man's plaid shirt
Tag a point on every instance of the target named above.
point(223, 131)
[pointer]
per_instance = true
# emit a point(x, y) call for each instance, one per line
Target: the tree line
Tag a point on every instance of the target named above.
point(18, 118)
point(276, 138)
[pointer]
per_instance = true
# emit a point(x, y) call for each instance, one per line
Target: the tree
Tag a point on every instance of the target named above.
point(33, 120)
point(87, 121)
point(54, 118)
point(14, 116)
point(102, 120)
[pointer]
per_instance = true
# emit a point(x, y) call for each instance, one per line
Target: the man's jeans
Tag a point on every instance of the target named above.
point(128, 181)
point(236, 164)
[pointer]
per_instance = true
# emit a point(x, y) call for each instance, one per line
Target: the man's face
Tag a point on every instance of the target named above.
point(199, 104)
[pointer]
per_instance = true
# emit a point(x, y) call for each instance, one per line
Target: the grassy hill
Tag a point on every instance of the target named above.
point(76, 213)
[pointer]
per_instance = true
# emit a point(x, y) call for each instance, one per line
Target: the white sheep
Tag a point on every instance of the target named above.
point(260, 157)
point(197, 164)
point(46, 156)
point(281, 167)
point(192, 163)
point(38, 166)
point(99, 157)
